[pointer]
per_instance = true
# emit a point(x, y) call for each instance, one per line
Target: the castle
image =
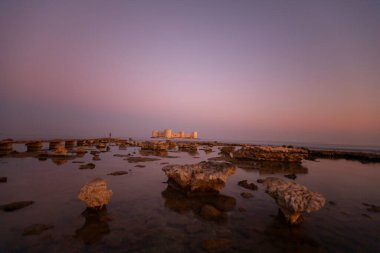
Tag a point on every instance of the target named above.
point(168, 133)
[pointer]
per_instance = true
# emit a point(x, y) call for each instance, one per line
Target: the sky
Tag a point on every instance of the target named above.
point(291, 71)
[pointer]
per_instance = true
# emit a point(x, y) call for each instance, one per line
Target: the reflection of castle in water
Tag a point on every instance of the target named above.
point(168, 133)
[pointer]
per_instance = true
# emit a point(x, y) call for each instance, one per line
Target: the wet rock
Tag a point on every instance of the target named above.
point(203, 176)
point(54, 144)
point(154, 145)
point(187, 146)
point(3, 179)
point(274, 154)
point(332, 203)
point(366, 215)
point(36, 229)
point(374, 209)
point(6, 147)
point(16, 205)
point(140, 166)
point(227, 150)
point(96, 158)
point(78, 162)
point(34, 146)
point(213, 245)
point(246, 195)
point(80, 151)
point(291, 176)
point(211, 213)
point(207, 149)
point(118, 173)
point(141, 159)
point(245, 184)
point(95, 194)
point(260, 181)
point(164, 163)
point(293, 199)
point(88, 166)
point(121, 155)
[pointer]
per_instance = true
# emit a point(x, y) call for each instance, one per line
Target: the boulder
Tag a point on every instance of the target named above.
point(246, 195)
point(203, 176)
point(95, 194)
point(293, 199)
point(274, 154)
point(118, 173)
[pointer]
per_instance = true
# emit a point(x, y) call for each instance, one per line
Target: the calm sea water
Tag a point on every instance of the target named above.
point(145, 216)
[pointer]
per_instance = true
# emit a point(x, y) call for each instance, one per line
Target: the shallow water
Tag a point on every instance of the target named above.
point(145, 216)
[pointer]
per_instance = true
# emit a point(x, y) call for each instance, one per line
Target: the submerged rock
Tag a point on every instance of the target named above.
point(95, 194)
point(3, 179)
point(274, 154)
point(293, 199)
point(88, 166)
point(204, 176)
point(141, 159)
point(16, 205)
point(246, 185)
point(246, 195)
point(209, 212)
point(118, 173)
point(95, 227)
point(36, 229)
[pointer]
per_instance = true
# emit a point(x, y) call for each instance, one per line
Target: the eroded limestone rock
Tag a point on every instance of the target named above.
point(95, 194)
point(275, 154)
point(204, 176)
point(293, 199)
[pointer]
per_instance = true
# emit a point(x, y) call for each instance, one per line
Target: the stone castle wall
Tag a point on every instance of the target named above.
point(168, 133)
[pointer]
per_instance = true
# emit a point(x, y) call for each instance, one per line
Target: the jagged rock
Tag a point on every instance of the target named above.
point(204, 176)
point(275, 154)
point(95, 194)
point(245, 184)
point(36, 229)
point(80, 150)
point(246, 195)
point(16, 205)
point(3, 179)
point(88, 166)
point(227, 150)
point(150, 145)
point(118, 173)
point(293, 199)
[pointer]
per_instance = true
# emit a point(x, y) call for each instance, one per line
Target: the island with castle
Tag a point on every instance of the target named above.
point(168, 133)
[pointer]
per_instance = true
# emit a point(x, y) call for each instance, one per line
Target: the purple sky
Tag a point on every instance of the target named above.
point(304, 71)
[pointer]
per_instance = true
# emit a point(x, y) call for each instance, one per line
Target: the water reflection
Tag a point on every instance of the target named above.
point(266, 168)
point(95, 227)
point(208, 206)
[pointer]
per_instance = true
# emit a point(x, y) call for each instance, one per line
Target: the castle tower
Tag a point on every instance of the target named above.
point(168, 133)
point(194, 135)
point(154, 134)
point(182, 134)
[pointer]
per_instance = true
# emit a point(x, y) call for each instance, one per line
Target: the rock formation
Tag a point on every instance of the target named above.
point(275, 154)
point(204, 176)
point(95, 194)
point(293, 199)
point(150, 145)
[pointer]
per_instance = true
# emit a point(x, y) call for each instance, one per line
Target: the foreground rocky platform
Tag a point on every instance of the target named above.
point(293, 199)
point(204, 176)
